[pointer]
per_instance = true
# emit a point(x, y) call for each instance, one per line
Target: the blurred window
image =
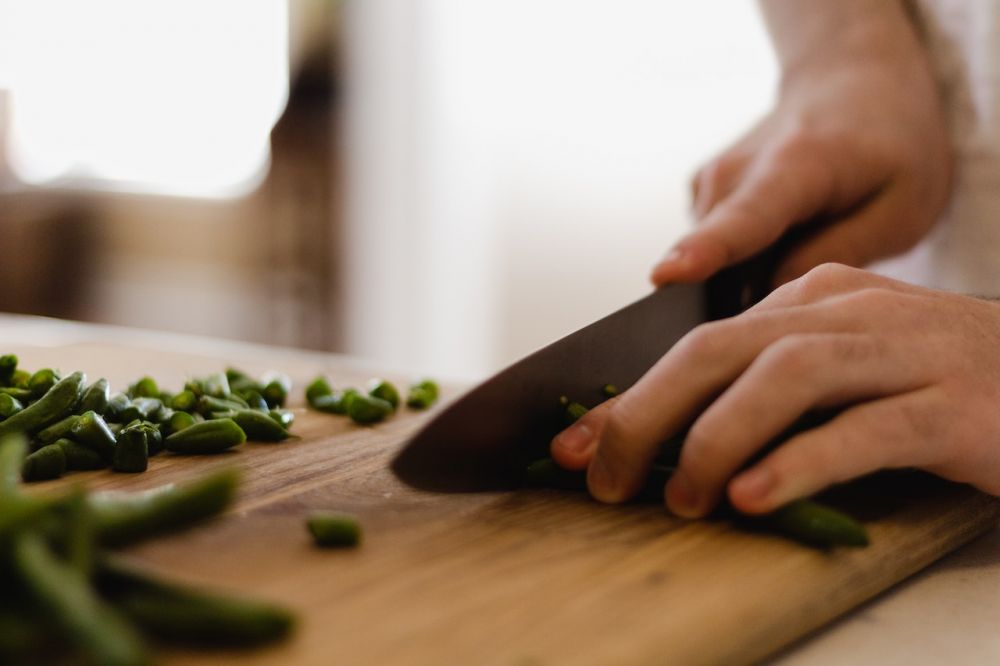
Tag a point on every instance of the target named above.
point(163, 96)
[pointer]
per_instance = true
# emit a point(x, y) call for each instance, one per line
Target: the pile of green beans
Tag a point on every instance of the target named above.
point(806, 521)
point(69, 598)
point(75, 426)
point(379, 401)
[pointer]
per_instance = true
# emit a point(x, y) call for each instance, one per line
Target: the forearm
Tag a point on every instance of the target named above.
point(810, 34)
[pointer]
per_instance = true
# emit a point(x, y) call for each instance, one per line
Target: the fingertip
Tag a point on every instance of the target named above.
point(573, 448)
point(682, 497)
point(754, 491)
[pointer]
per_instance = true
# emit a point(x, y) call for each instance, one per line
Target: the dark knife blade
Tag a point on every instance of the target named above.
point(483, 440)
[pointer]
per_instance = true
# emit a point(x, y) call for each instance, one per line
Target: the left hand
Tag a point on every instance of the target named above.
point(917, 372)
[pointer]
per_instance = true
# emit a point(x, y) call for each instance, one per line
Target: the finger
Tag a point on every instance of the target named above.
point(902, 431)
point(574, 447)
point(872, 233)
point(778, 191)
point(792, 376)
point(716, 180)
point(828, 281)
point(684, 380)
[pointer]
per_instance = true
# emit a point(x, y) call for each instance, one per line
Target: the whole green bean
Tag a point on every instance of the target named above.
point(121, 519)
point(183, 614)
point(71, 605)
point(96, 397)
point(54, 405)
point(333, 529)
point(212, 436)
point(48, 462)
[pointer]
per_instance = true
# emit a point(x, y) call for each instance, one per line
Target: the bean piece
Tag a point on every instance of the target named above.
point(212, 436)
point(380, 388)
point(333, 529)
point(48, 462)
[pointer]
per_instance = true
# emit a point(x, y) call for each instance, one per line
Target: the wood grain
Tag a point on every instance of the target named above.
point(531, 577)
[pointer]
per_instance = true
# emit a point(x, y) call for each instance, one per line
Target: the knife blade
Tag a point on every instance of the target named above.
point(484, 439)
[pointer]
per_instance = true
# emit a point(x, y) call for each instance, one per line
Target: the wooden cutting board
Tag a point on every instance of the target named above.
point(530, 577)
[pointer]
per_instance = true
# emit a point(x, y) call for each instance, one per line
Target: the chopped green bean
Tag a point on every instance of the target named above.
point(48, 462)
point(609, 390)
point(131, 450)
point(8, 366)
point(54, 405)
point(318, 387)
point(179, 421)
point(212, 436)
point(384, 390)
point(20, 379)
point(817, 524)
point(183, 614)
point(117, 405)
point(141, 409)
point(334, 529)
point(276, 387)
point(9, 405)
point(185, 401)
point(121, 519)
point(422, 394)
point(79, 456)
point(92, 430)
point(42, 381)
point(258, 426)
point(365, 409)
point(145, 387)
point(284, 417)
point(96, 397)
point(574, 412)
point(57, 430)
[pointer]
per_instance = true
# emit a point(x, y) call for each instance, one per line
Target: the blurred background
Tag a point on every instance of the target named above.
point(439, 185)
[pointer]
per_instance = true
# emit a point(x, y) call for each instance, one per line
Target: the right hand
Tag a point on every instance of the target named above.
point(856, 148)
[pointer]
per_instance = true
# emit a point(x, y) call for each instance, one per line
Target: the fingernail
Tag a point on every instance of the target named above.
point(754, 485)
point(600, 481)
point(576, 439)
point(682, 497)
point(674, 256)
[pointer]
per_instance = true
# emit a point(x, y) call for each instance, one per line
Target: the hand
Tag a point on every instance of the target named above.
point(855, 152)
point(917, 372)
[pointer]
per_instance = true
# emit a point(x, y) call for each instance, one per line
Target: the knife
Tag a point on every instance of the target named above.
point(483, 440)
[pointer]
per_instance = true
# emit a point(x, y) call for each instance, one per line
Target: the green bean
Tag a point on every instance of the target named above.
point(121, 519)
point(91, 430)
point(69, 602)
point(166, 397)
point(817, 524)
point(318, 387)
point(146, 387)
point(51, 407)
point(20, 379)
point(422, 394)
point(254, 400)
point(9, 405)
point(259, 427)
point(154, 438)
point(57, 430)
point(335, 403)
point(212, 436)
point(284, 417)
point(96, 397)
point(8, 366)
point(545, 473)
point(574, 412)
point(185, 401)
point(163, 416)
point(333, 529)
point(364, 409)
point(609, 390)
point(42, 381)
point(380, 388)
point(186, 615)
point(208, 404)
point(13, 450)
point(141, 409)
point(215, 385)
point(131, 450)
point(117, 405)
point(22, 394)
point(179, 421)
point(80, 457)
point(48, 462)
point(276, 387)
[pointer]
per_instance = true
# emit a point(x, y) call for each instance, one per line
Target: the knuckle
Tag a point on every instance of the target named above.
point(791, 356)
point(706, 341)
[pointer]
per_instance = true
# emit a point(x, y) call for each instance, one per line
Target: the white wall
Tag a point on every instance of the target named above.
point(516, 166)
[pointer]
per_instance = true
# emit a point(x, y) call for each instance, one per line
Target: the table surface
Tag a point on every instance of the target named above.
point(946, 613)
